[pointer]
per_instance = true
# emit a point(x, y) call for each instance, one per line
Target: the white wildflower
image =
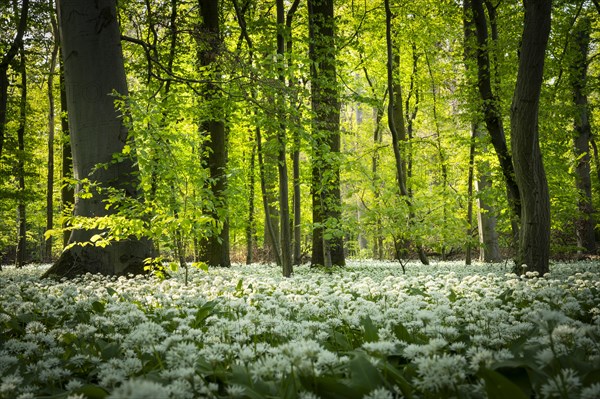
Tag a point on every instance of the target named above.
point(438, 372)
point(379, 393)
point(139, 389)
point(591, 392)
point(566, 381)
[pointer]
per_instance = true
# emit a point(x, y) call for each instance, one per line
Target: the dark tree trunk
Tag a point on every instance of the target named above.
point(215, 247)
point(534, 238)
point(50, 169)
point(284, 205)
point(398, 129)
point(251, 226)
point(67, 193)
point(21, 208)
point(327, 243)
point(578, 74)
point(94, 68)
point(5, 64)
point(489, 250)
point(493, 114)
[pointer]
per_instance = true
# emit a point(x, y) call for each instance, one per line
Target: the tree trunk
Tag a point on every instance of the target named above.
point(215, 247)
point(489, 250)
point(93, 63)
point(21, 208)
point(493, 114)
point(250, 227)
point(5, 64)
point(534, 238)
point(397, 128)
point(326, 195)
point(578, 74)
point(284, 205)
point(50, 169)
point(67, 193)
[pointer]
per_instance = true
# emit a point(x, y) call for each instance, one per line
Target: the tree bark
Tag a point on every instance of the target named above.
point(582, 134)
point(5, 64)
point(327, 242)
point(397, 128)
point(493, 114)
point(284, 205)
point(94, 69)
point(50, 169)
point(67, 192)
point(215, 247)
point(534, 238)
point(21, 207)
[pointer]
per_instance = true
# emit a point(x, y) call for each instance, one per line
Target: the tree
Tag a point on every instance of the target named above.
point(94, 70)
point(5, 63)
point(214, 247)
point(50, 170)
point(534, 234)
point(327, 242)
point(491, 109)
point(578, 71)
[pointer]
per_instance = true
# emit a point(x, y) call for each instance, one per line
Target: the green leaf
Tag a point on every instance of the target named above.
point(498, 386)
point(91, 391)
point(393, 373)
point(111, 291)
point(96, 237)
point(364, 376)
point(371, 332)
point(98, 307)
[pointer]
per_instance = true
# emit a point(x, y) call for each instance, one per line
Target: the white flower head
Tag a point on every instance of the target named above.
point(139, 389)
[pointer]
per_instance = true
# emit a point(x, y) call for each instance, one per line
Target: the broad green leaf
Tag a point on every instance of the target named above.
point(498, 386)
point(371, 332)
point(364, 376)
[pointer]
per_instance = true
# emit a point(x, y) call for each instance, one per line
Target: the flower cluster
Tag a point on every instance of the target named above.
point(366, 330)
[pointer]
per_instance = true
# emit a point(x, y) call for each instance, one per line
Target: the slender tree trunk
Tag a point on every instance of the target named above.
point(284, 211)
point(578, 73)
point(250, 227)
point(327, 243)
point(470, 183)
point(534, 238)
point(263, 186)
point(396, 125)
point(94, 68)
point(67, 193)
point(493, 114)
point(4, 66)
point(296, 199)
point(21, 208)
point(50, 169)
point(215, 247)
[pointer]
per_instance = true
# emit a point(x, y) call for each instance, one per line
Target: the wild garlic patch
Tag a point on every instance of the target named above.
point(365, 331)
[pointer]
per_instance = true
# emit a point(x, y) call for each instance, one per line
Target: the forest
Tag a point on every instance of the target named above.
point(300, 199)
point(290, 132)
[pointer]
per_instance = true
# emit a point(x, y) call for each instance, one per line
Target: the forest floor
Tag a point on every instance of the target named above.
point(363, 331)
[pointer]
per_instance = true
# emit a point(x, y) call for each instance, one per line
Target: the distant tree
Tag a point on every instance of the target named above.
point(578, 71)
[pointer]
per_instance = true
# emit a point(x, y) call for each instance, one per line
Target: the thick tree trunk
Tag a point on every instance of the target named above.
point(328, 244)
point(534, 238)
point(215, 247)
point(93, 63)
point(578, 76)
point(489, 250)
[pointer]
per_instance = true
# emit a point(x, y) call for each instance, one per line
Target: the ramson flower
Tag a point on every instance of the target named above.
point(437, 372)
point(139, 389)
